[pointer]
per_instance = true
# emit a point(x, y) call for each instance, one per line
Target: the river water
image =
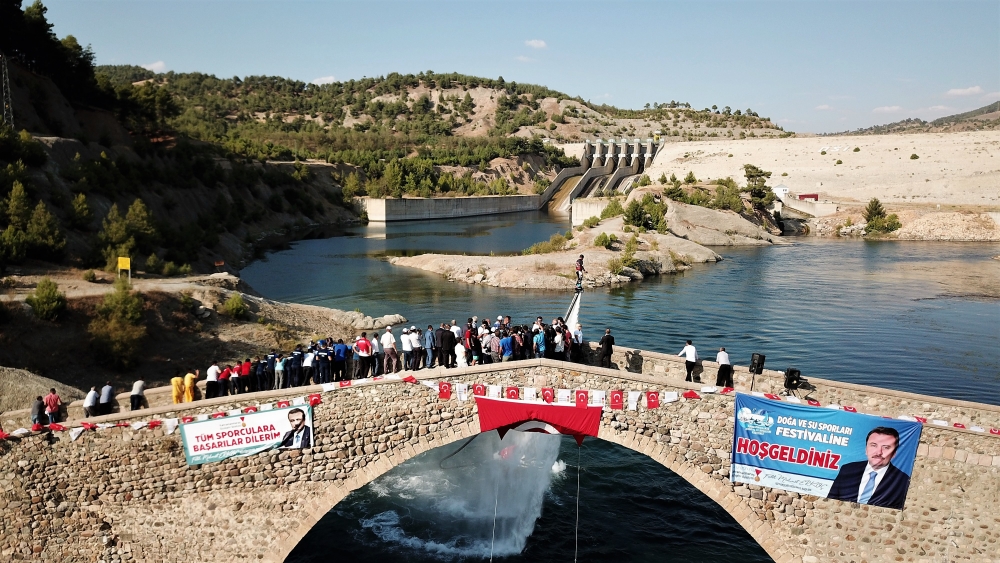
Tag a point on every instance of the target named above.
point(874, 313)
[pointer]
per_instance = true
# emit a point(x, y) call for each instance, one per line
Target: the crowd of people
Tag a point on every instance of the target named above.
point(450, 345)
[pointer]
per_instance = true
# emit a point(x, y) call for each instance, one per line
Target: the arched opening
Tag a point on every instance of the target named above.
point(631, 508)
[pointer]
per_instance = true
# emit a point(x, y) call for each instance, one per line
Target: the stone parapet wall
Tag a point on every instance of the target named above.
point(124, 495)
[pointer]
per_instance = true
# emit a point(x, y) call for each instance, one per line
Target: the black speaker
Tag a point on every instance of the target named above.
point(793, 378)
point(757, 364)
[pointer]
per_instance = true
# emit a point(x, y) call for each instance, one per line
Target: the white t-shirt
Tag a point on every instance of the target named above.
point(138, 387)
point(578, 336)
point(307, 361)
point(460, 355)
point(457, 331)
point(213, 373)
point(689, 353)
point(375, 345)
point(91, 400)
point(406, 342)
point(415, 339)
point(388, 341)
point(722, 358)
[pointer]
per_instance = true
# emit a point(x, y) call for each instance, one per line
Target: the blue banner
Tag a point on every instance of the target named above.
point(823, 452)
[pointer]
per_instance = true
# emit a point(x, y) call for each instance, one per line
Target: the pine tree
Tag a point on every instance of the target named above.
point(44, 237)
point(18, 209)
point(139, 224)
point(81, 214)
point(874, 210)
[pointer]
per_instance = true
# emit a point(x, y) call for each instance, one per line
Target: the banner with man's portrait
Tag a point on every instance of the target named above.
point(823, 452)
point(217, 439)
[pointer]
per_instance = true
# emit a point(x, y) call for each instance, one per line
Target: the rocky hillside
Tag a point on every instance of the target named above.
point(986, 118)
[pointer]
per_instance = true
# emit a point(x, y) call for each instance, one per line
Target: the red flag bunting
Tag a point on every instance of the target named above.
point(345, 383)
point(690, 394)
point(88, 425)
point(652, 399)
point(187, 419)
point(283, 404)
point(249, 410)
point(727, 390)
point(995, 431)
point(314, 399)
point(813, 402)
point(512, 393)
point(772, 396)
point(56, 427)
point(155, 423)
point(548, 394)
point(581, 399)
point(410, 379)
point(217, 415)
point(479, 390)
point(617, 400)
point(444, 390)
point(4, 435)
point(36, 427)
point(850, 409)
point(122, 424)
point(956, 425)
point(921, 419)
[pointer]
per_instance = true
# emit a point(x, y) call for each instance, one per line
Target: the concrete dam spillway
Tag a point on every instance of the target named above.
point(607, 167)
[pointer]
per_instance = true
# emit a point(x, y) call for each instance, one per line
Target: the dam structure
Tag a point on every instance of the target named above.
point(123, 491)
point(606, 168)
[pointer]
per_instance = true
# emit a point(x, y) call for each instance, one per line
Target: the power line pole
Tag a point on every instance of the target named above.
point(8, 104)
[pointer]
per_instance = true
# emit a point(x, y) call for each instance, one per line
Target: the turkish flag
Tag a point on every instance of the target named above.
point(187, 419)
point(479, 390)
point(512, 393)
point(56, 427)
point(345, 383)
point(444, 390)
point(617, 400)
point(248, 410)
point(921, 419)
point(850, 409)
point(283, 404)
point(314, 400)
point(956, 425)
point(995, 431)
point(772, 396)
point(652, 399)
point(581, 399)
point(88, 425)
point(410, 379)
point(36, 427)
point(726, 390)
point(548, 394)
point(218, 415)
point(155, 423)
point(690, 394)
point(813, 402)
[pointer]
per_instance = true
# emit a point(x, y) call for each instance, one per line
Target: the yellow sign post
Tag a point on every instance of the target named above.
point(125, 263)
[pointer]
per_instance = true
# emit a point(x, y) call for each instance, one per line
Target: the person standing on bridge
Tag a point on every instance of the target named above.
point(580, 270)
point(107, 395)
point(90, 402)
point(725, 376)
point(690, 354)
point(607, 344)
point(430, 346)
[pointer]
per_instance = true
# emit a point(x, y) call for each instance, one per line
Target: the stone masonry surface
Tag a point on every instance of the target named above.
point(125, 495)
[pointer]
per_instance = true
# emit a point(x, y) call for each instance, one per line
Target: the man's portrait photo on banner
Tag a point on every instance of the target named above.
point(300, 435)
point(875, 481)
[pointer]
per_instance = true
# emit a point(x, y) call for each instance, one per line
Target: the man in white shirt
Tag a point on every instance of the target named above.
point(417, 348)
point(212, 380)
point(456, 330)
point(138, 392)
point(307, 366)
point(725, 376)
point(378, 356)
point(407, 344)
point(391, 356)
point(107, 394)
point(690, 355)
point(90, 403)
point(577, 345)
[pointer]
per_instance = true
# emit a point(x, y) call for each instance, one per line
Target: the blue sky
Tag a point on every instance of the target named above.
point(813, 66)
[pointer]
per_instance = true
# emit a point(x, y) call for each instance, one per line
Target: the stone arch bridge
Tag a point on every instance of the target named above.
point(124, 495)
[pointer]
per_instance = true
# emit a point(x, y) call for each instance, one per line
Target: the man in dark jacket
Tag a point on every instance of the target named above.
point(876, 481)
point(448, 342)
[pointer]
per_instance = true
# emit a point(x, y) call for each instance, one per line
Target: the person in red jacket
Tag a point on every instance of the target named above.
point(224, 388)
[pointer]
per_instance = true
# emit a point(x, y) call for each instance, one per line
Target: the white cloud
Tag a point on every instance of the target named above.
point(523, 59)
point(971, 91)
point(940, 108)
point(324, 80)
point(823, 107)
point(158, 66)
point(535, 43)
point(887, 109)
point(992, 96)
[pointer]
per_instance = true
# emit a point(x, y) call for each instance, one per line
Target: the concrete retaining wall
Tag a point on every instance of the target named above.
point(585, 208)
point(814, 208)
point(411, 209)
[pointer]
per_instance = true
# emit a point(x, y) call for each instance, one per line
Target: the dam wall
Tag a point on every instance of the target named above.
point(415, 209)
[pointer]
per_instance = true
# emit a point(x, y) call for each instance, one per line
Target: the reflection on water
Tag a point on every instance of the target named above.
point(847, 310)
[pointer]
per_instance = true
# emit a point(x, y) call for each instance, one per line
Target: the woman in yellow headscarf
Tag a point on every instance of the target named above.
point(177, 386)
point(189, 381)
